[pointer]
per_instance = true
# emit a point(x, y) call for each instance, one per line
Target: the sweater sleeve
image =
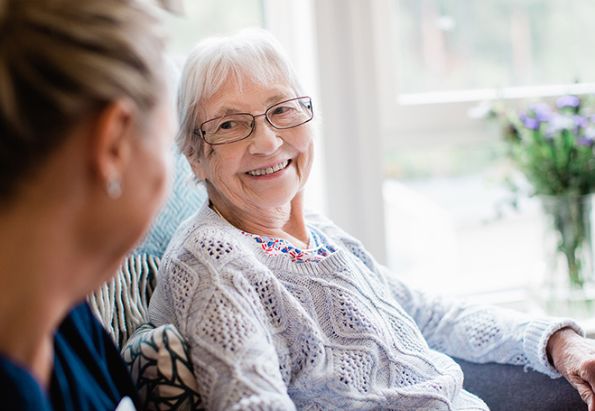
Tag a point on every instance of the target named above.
point(477, 333)
point(231, 345)
point(480, 333)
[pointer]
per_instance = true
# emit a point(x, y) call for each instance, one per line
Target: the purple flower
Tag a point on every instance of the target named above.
point(561, 122)
point(587, 138)
point(529, 122)
point(580, 122)
point(568, 102)
point(541, 112)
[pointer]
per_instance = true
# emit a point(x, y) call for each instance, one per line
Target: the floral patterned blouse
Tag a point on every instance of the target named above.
point(320, 247)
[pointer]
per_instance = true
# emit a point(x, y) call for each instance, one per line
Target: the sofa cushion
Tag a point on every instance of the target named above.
point(159, 363)
point(185, 198)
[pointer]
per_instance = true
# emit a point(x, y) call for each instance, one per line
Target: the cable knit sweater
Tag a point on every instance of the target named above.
point(342, 333)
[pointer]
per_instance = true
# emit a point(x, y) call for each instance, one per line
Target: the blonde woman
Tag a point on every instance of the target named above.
point(84, 137)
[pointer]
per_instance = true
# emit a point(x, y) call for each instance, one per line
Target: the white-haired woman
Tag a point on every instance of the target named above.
point(283, 309)
point(84, 141)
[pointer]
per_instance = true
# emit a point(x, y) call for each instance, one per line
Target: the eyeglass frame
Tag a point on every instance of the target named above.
point(200, 132)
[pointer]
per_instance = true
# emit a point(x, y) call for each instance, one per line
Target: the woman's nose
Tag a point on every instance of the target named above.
point(265, 139)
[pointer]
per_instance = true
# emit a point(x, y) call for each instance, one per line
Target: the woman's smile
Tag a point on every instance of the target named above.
point(273, 170)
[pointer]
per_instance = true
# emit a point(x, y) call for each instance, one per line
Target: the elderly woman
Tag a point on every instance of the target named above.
point(283, 309)
point(84, 137)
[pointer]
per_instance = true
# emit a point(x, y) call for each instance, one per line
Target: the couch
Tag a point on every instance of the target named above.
point(158, 357)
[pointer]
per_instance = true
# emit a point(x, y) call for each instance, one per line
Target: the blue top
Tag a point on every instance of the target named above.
point(88, 373)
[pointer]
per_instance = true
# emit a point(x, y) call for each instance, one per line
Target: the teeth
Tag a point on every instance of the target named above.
point(269, 170)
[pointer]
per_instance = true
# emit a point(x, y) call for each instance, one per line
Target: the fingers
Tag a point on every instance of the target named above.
point(586, 376)
point(590, 400)
point(584, 390)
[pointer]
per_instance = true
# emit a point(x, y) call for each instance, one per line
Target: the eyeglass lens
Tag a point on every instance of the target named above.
point(234, 127)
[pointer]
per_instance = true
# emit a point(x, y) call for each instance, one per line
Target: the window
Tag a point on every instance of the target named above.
point(449, 222)
point(210, 17)
point(446, 45)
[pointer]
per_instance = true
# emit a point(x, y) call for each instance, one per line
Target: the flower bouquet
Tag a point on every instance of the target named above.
point(552, 145)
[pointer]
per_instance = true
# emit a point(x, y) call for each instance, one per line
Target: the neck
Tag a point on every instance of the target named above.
point(41, 275)
point(286, 222)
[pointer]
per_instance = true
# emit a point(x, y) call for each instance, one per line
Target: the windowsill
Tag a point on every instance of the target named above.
point(443, 236)
point(442, 240)
point(461, 96)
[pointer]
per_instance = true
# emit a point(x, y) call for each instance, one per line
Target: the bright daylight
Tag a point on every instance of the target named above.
point(273, 205)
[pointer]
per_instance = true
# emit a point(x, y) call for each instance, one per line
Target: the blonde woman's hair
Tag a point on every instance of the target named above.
point(62, 61)
point(253, 53)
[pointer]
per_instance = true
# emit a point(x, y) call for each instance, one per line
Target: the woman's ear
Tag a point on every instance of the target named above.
point(111, 144)
point(197, 164)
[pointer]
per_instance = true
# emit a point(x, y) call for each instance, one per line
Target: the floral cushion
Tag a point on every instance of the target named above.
point(159, 363)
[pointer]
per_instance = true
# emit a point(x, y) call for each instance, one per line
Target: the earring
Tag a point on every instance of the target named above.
point(114, 188)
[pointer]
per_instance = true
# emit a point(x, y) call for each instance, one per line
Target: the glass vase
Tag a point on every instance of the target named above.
point(569, 282)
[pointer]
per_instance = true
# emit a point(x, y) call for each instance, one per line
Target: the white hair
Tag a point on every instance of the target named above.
point(254, 54)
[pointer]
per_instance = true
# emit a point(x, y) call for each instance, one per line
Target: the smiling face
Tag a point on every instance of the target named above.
point(265, 171)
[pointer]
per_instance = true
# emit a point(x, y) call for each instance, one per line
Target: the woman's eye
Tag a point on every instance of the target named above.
point(282, 110)
point(227, 125)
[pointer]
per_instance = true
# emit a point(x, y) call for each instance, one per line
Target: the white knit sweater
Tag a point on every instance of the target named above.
point(344, 333)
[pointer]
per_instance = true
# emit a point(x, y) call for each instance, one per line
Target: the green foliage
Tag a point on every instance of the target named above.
point(553, 146)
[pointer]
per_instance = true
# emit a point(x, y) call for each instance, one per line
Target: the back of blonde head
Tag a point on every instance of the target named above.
point(62, 61)
point(253, 53)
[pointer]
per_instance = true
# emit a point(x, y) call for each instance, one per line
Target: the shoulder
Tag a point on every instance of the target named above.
point(207, 238)
point(206, 254)
point(328, 227)
point(81, 325)
point(340, 236)
point(85, 355)
point(81, 337)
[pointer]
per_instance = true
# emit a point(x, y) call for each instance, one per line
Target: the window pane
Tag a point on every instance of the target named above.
point(451, 221)
point(459, 236)
point(445, 45)
point(451, 224)
point(205, 18)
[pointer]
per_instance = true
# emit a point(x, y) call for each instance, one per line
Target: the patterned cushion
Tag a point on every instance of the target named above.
point(159, 362)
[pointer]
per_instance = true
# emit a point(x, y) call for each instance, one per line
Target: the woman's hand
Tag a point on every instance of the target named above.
point(574, 357)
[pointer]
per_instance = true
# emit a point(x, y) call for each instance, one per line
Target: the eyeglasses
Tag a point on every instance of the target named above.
point(235, 127)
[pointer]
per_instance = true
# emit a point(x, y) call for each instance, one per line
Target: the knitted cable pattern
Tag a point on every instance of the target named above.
point(344, 333)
